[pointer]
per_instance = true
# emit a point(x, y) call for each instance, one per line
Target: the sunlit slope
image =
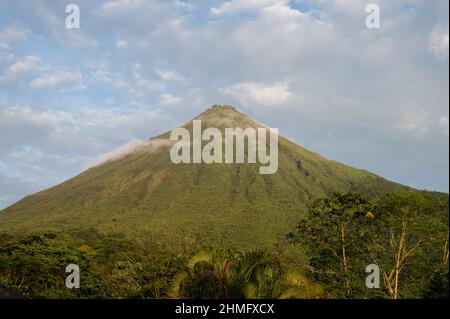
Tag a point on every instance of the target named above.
point(145, 194)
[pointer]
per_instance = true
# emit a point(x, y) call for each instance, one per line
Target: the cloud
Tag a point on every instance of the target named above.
point(128, 148)
point(259, 94)
point(376, 99)
point(42, 148)
point(184, 5)
point(8, 36)
point(236, 6)
point(443, 123)
point(170, 100)
point(83, 131)
point(98, 75)
point(117, 153)
point(117, 4)
point(170, 75)
point(46, 20)
point(415, 121)
point(136, 16)
point(23, 126)
point(438, 42)
point(121, 43)
point(29, 63)
point(22, 70)
point(72, 79)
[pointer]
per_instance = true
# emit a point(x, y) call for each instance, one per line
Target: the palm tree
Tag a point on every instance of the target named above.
point(227, 275)
point(261, 275)
point(207, 275)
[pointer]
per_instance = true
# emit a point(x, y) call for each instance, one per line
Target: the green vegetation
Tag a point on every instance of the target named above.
point(142, 227)
point(335, 233)
point(234, 274)
point(110, 266)
point(145, 195)
point(405, 234)
point(113, 267)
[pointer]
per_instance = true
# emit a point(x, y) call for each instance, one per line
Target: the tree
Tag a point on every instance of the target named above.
point(400, 250)
point(206, 276)
point(335, 232)
point(229, 274)
point(261, 275)
point(35, 266)
point(410, 229)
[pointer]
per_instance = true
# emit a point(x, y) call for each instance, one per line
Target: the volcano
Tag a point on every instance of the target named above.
point(143, 193)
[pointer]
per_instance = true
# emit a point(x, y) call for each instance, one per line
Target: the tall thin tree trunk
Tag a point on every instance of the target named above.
point(445, 256)
point(400, 257)
point(344, 261)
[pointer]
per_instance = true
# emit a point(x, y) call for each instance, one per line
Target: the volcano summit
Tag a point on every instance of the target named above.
point(143, 193)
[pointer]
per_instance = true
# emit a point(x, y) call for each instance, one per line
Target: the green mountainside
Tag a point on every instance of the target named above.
point(144, 195)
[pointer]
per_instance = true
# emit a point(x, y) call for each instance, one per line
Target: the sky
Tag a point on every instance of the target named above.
point(373, 98)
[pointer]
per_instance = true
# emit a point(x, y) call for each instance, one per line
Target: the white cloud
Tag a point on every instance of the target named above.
point(438, 41)
point(67, 78)
point(137, 86)
point(117, 153)
point(443, 123)
point(68, 138)
point(281, 12)
point(182, 4)
point(345, 81)
point(128, 148)
point(121, 43)
point(102, 76)
point(236, 6)
point(47, 22)
point(111, 5)
point(170, 100)
point(170, 75)
point(22, 69)
point(443, 120)
point(414, 121)
point(135, 16)
point(259, 94)
point(18, 120)
point(10, 114)
point(29, 63)
point(10, 35)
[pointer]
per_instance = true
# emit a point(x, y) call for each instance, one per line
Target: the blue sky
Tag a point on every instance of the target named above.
point(371, 98)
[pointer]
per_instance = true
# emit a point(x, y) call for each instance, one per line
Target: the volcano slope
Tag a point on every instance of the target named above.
point(143, 194)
